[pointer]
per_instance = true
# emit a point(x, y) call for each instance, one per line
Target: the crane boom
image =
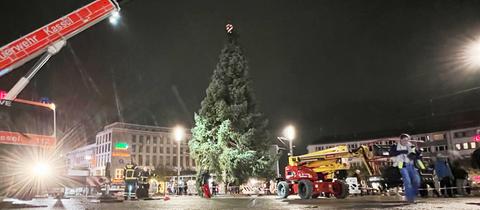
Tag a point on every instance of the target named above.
point(35, 43)
point(50, 39)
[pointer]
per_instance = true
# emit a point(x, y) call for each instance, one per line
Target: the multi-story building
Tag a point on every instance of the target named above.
point(80, 163)
point(460, 143)
point(81, 160)
point(433, 143)
point(146, 146)
point(464, 141)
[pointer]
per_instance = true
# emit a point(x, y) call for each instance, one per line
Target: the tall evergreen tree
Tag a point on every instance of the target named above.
point(230, 136)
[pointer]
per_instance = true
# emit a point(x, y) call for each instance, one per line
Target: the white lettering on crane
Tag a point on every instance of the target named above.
point(29, 41)
point(20, 46)
point(55, 28)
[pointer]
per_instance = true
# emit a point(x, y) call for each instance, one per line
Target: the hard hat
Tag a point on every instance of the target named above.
point(404, 135)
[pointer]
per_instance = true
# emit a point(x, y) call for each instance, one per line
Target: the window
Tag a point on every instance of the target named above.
point(441, 148)
point(465, 145)
point(147, 160)
point(168, 161)
point(134, 139)
point(175, 160)
point(161, 149)
point(458, 146)
point(140, 160)
point(459, 134)
point(109, 137)
point(141, 140)
point(160, 161)
point(134, 147)
point(437, 137)
point(161, 140)
point(168, 140)
point(108, 147)
point(140, 148)
point(154, 149)
point(473, 145)
point(154, 160)
point(168, 150)
point(187, 161)
point(181, 150)
point(148, 139)
point(154, 140)
point(118, 173)
point(148, 149)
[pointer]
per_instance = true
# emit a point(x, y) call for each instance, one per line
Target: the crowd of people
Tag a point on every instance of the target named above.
point(417, 175)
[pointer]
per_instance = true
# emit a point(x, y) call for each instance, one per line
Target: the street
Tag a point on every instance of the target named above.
point(267, 202)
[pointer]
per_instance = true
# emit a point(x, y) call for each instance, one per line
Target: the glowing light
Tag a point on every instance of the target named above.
point(114, 17)
point(3, 94)
point(289, 132)
point(32, 170)
point(121, 146)
point(41, 169)
point(470, 55)
point(179, 133)
point(476, 138)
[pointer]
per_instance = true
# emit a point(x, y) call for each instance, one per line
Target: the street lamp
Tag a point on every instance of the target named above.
point(179, 133)
point(289, 135)
point(41, 169)
point(114, 17)
point(470, 54)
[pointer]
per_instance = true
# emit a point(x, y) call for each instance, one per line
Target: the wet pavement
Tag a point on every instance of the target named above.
point(265, 202)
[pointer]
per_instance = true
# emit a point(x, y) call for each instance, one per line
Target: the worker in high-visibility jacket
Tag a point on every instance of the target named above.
point(407, 159)
point(130, 179)
point(143, 185)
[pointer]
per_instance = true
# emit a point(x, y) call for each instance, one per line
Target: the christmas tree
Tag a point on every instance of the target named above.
point(230, 136)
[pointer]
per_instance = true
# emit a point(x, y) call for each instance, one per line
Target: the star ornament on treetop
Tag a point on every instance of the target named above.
point(229, 28)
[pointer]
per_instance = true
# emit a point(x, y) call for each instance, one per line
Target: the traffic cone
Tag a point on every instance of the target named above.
point(166, 198)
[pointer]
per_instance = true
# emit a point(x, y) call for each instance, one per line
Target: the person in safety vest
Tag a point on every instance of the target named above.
point(407, 160)
point(130, 180)
point(143, 184)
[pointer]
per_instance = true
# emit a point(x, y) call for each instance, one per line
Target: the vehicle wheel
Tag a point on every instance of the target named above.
point(283, 189)
point(305, 189)
point(423, 190)
point(340, 189)
point(315, 195)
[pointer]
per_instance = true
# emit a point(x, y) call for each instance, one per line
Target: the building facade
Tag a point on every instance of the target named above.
point(81, 160)
point(146, 146)
point(459, 143)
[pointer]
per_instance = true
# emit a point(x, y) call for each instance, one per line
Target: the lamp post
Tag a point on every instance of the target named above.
point(289, 134)
point(471, 54)
point(179, 133)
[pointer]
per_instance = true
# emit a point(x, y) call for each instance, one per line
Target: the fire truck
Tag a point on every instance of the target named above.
point(27, 139)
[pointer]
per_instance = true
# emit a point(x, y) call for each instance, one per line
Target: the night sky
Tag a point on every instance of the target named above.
point(337, 70)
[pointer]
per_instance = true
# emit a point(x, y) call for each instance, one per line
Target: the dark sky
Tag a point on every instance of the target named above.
point(334, 69)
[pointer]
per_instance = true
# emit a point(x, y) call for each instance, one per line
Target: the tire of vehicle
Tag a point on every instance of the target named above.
point(315, 195)
point(340, 189)
point(305, 189)
point(423, 190)
point(283, 189)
